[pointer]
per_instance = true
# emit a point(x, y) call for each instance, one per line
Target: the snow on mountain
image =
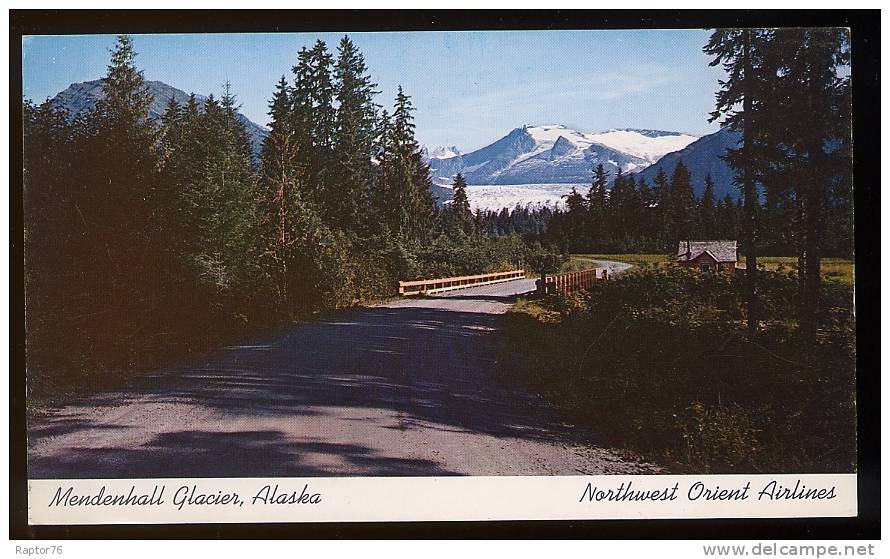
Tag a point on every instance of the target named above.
point(702, 157)
point(648, 147)
point(445, 153)
point(82, 96)
point(554, 154)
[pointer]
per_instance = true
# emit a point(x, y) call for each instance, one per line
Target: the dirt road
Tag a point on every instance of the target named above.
point(409, 388)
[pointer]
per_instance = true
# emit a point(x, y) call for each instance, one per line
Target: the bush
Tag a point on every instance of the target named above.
point(657, 360)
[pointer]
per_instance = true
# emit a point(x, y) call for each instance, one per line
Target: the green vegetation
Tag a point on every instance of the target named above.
point(577, 263)
point(833, 269)
point(657, 360)
point(150, 239)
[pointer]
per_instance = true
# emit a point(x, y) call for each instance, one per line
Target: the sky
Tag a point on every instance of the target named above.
point(469, 87)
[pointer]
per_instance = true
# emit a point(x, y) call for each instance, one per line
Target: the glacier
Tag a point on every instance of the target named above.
point(554, 154)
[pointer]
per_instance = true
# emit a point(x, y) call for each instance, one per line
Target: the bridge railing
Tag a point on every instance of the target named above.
point(572, 282)
point(438, 285)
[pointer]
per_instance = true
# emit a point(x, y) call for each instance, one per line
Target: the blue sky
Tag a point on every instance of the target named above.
point(469, 88)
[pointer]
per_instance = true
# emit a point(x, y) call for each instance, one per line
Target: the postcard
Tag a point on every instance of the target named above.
point(536, 274)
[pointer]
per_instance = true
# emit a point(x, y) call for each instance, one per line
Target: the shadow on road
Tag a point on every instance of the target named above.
point(431, 368)
point(225, 454)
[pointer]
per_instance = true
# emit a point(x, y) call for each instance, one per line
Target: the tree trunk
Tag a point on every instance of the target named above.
point(813, 196)
point(800, 244)
point(812, 283)
point(750, 193)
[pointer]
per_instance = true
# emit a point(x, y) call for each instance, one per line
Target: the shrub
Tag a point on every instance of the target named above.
point(657, 360)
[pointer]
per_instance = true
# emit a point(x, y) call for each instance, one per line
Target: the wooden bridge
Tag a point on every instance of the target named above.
point(562, 284)
point(439, 285)
point(565, 284)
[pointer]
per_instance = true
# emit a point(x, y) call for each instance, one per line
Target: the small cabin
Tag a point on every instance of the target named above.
point(708, 256)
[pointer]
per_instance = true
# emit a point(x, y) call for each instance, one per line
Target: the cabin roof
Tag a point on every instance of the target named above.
point(721, 251)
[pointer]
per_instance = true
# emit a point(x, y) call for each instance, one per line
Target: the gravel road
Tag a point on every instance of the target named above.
point(404, 389)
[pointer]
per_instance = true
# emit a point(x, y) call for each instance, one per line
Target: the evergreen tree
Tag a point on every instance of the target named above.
point(597, 207)
point(648, 225)
point(661, 193)
point(575, 217)
point(119, 172)
point(810, 121)
point(296, 245)
point(409, 209)
point(459, 215)
point(281, 133)
point(707, 223)
point(742, 52)
point(625, 207)
point(353, 141)
point(382, 190)
point(684, 203)
point(313, 119)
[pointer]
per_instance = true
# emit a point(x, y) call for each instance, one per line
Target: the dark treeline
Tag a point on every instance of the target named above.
point(148, 238)
point(529, 222)
point(633, 216)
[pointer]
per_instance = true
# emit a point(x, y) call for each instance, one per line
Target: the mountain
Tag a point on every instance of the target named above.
point(554, 154)
point(83, 96)
point(445, 153)
point(701, 157)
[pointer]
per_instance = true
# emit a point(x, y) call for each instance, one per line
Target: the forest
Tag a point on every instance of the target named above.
point(145, 240)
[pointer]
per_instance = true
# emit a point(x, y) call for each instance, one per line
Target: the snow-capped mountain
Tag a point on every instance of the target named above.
point(83, 96)
point(701, 157)
point(445, 153)
point(555, 154)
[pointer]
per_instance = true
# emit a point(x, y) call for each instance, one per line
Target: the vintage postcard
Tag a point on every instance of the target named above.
point(558, 274)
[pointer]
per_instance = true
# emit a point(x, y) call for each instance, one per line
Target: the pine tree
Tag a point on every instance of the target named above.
point(741, 52)
point(648, 225)
point(459, 215)
point(661, 191)
point(409, 209)
point(810, 120)
point(683, 204)
point(576, 218)
point(626, 208)
point(119, 172)
point(597, 206)
point(313, 121)
point(280, 130)
point(707, 224)
point(353, 140)
point(300, 256)
point(382, 190)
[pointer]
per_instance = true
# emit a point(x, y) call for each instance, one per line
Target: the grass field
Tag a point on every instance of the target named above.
point(837, 269)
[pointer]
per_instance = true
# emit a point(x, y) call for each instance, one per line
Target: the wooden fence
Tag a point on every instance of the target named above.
point(573, 282)
point(426, 287)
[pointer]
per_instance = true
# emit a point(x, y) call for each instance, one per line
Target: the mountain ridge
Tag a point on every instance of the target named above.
point(554, 153)
point(702, 157)
point(83, 96)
